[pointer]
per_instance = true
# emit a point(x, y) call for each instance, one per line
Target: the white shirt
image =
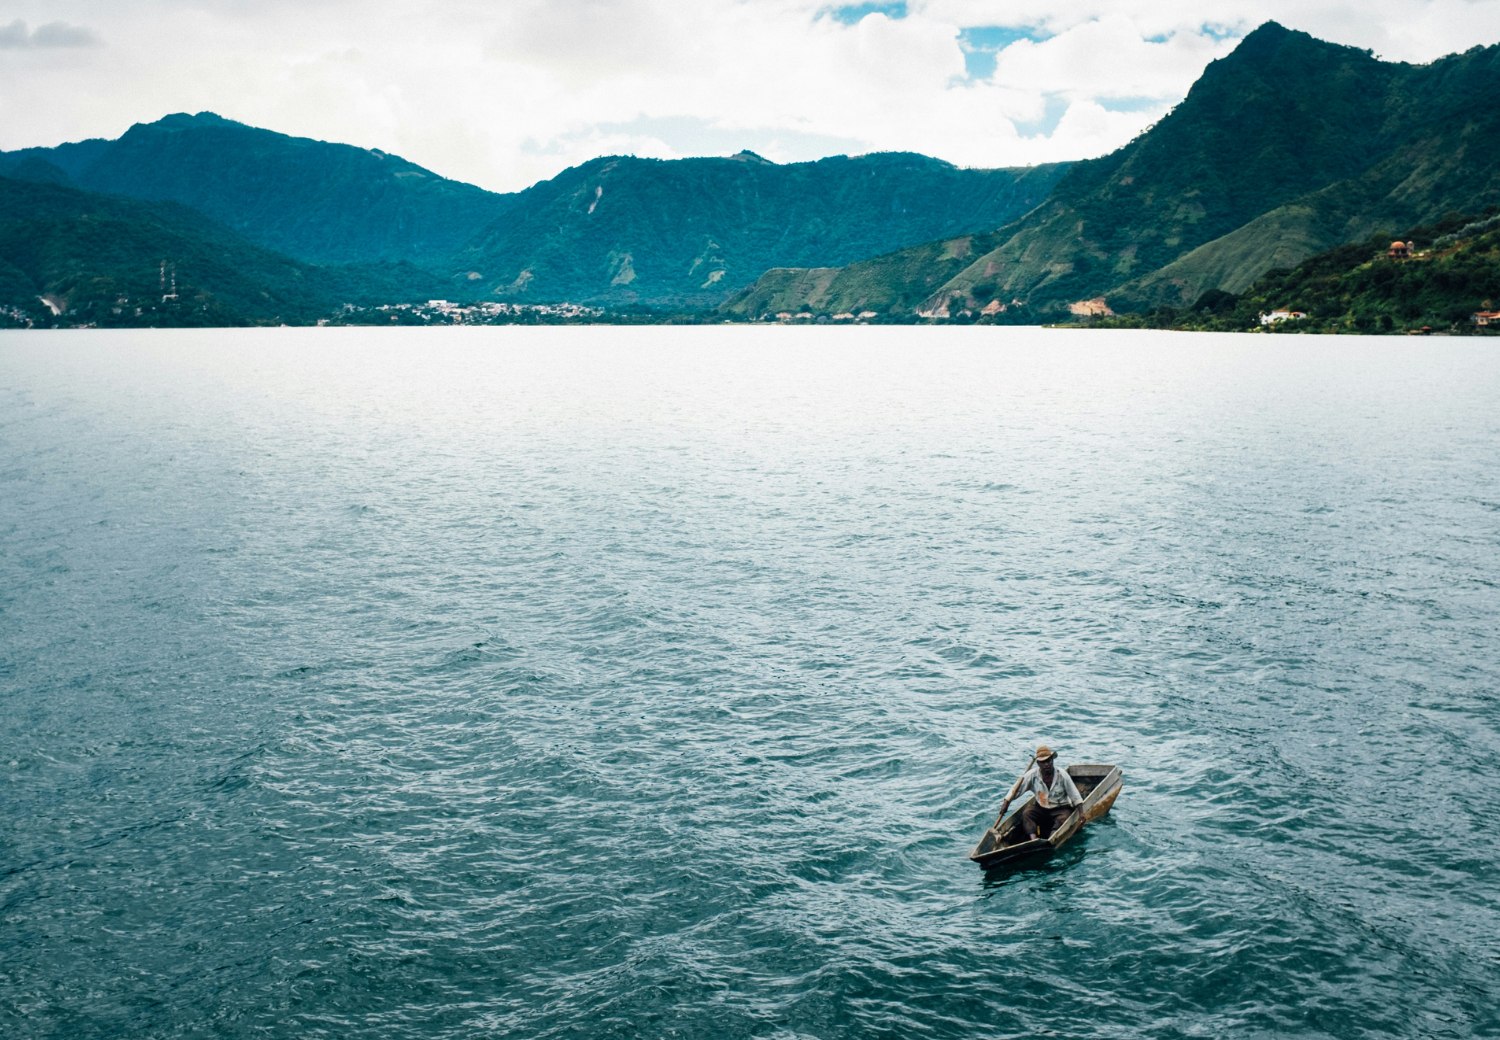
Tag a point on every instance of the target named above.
point(1061, 792)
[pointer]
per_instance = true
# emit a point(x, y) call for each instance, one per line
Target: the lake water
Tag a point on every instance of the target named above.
point(656, 682)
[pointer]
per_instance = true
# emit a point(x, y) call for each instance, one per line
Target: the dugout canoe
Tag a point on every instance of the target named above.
point(1100, 786)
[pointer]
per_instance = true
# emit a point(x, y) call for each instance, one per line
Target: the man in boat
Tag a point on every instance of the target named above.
point(1056, 799)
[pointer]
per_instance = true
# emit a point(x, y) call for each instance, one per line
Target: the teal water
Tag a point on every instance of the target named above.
point(656, 682)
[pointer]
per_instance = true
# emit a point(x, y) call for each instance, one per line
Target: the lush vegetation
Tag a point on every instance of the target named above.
point(622, 231)
point(1453, 273)
point(692, 232)
point(1283, 149)
point(319, 203)
point(76, 258)
point(1287, 147)
point(889, 285)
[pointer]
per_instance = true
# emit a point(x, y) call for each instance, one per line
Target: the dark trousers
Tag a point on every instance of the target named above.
point(1042, 822)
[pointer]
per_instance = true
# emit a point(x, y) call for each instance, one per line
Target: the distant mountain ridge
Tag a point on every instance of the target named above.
point(617, 229)
point(102, 260)
point(321, 203)
point(1286, 147)
point(688, 232)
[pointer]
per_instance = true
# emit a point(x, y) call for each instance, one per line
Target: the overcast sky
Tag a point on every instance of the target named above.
point(507, 92)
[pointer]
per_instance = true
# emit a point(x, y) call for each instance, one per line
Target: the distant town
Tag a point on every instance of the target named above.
point(446, 312)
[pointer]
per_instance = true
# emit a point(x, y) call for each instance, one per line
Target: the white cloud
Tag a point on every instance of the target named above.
point(504, 94)
point(52, 35)
point(1399, 30)
point(1109, 58)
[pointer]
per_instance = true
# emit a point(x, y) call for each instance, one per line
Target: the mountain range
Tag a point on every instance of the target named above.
point(690, 232)
point(318, 203)
point(107, 260)
point(1286, 147)
point(620, 230)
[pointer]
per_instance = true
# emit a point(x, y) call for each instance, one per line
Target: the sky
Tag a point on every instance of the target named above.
point(504, 93)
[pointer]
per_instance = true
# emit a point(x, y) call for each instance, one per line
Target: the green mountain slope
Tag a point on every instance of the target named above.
point(1359, 287)
point(1443, 155)
point(1284, 148)
point(890, 285)
point(72, 257)
point(321, 203)
point(616, 230)
point(692, 231)
point(70, 158)
point(1283, 116)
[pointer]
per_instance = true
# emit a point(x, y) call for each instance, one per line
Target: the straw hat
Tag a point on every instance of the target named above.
point(1044, 752)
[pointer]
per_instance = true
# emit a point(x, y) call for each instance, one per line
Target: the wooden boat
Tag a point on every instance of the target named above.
point(1100, 786)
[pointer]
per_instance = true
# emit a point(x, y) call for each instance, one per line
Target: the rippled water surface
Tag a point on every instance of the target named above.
point(656, 682)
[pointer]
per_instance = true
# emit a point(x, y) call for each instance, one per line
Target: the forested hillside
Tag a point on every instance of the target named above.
point(69, 257)
point(1283, 149)
point(1449, 272)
